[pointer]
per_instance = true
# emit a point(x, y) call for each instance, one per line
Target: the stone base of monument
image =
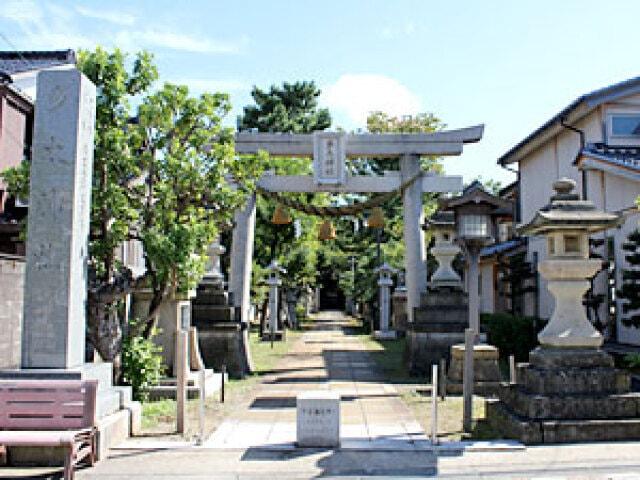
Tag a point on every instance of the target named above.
point(439, 323)
point(567, 395)
point(385, 335)
point(225, 343)
point(222, 339)
point(486, 372)
point(318, 419)
point(167, 387)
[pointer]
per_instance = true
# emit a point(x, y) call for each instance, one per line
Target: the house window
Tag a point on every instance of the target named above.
point(474, 226)
point(625, 125)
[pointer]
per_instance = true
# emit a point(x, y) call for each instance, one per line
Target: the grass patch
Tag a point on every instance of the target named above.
point(449, 415)
point(159, 417)
point(160, 411)
point(389, 356)
point(264, 356)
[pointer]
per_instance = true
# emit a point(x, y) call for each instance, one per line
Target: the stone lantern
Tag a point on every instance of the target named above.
point(274, 282)
point(385, 282)
point(213, 272)
point(443, 226)
point(567, 223)
point(471, 363)
point(570, 390)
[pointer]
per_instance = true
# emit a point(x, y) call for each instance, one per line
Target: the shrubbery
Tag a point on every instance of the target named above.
point(142, 365)
point(513, 335)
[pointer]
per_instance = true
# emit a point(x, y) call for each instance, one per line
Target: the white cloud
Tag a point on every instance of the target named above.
point(211, 85)
point(178, 41)
point(20, 11)
point(409, 29)
point(117, 17)
point(50, 28)
point(356, 95)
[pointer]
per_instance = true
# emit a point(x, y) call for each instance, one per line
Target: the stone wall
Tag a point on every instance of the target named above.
point(11, 296)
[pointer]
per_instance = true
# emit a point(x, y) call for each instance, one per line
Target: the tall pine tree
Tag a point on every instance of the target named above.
point(630, 290)
point(290, 108)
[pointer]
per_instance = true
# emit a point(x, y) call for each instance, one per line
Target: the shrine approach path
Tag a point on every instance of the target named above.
point(373, 417)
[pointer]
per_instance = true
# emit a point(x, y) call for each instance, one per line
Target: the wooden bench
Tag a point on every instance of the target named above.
point(50, 413)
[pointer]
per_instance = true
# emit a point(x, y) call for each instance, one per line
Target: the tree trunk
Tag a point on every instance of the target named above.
point(105, 333)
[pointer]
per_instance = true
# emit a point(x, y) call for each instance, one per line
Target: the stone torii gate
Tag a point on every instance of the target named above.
point(329, 151)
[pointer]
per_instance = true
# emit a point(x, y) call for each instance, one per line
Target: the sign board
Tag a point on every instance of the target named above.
point(318, 419)
point(329, 158)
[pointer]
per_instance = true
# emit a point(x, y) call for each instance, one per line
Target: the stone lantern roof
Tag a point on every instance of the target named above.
point(566, 211)
point(441, 219)
point(475, 194)
point(385, 268)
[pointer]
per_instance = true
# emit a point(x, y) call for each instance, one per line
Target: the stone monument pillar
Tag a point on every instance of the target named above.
point(53, 333)
point(385, 283)
point(569, 391)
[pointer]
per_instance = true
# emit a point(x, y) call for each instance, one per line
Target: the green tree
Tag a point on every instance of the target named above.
point(292, 107)
point(160, 178)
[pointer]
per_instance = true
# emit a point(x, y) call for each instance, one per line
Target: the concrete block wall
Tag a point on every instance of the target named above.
point(12, 271)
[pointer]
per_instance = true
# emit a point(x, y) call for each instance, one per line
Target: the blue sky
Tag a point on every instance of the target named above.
point(508, 64)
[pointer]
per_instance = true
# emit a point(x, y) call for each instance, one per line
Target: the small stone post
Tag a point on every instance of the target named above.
point(467, 380)
point(274, 282)
point(182, 362)
point(385, 282)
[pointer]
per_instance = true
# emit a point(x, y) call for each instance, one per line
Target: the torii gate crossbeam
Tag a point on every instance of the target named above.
point(329, 150)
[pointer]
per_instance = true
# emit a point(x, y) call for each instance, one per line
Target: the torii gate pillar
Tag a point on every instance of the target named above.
point(242, 256)
point(414, 254)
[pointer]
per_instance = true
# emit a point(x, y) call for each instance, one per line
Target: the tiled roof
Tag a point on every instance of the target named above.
point(623, 156)
point(18, 62)
point(502, 247)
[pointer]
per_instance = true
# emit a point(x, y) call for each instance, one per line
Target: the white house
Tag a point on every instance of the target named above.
point(595, 141)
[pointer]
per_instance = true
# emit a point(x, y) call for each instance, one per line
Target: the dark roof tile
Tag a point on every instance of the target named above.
point(12, 62)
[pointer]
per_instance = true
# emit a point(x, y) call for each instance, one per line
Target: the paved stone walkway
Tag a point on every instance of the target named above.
point(373, 417)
